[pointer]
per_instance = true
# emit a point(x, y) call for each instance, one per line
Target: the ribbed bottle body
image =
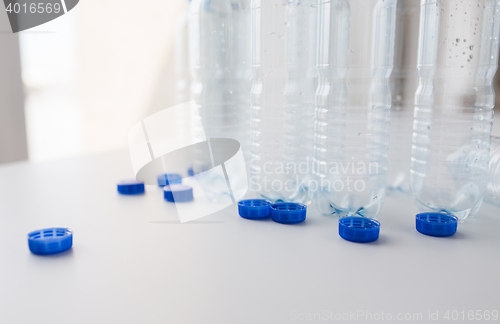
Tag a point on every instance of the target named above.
point(284, 65)
point(457, 59)
point(219, 32)
point(493, 187)
point(353, 99)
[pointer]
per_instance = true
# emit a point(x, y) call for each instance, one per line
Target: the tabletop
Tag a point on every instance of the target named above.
point(132, 261)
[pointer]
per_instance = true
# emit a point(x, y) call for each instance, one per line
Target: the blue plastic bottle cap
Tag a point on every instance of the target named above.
point(436, 224)
point(254, 208)
point(130, 187)
point(288, 213)
point(168, 179)
point(359, 229)
point(50, 240)
point(178, 193)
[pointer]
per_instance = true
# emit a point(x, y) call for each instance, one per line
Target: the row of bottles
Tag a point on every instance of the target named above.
point(308, 88)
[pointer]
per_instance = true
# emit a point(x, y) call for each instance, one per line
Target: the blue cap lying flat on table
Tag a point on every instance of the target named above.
point(359, 229)
point(178, 193)
point(130, 187)
point(254, 208)
point(50, 240)
point(436, 224)
point(168, 179)
point(288, 213)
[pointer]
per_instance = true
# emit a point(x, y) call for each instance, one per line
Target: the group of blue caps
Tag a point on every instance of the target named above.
point(173, 189)
point(353, 228)
point(57, 239)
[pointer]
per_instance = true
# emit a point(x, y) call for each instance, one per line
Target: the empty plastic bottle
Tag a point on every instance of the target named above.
point(284, 64)
point(457, 59)
point(404, 82)
point(219, 32)
point(493, 187)
point(353, 99)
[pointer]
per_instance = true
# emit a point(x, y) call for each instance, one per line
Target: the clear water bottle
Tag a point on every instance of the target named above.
point(493, 187)
point(284, 64)
point(219, 33)
point(457, 59)
point(356, 47)
point(404, 82)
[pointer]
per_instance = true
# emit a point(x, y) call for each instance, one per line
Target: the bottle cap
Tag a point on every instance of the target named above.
point(168, 179)
point(178, 193)
point(436, 224)
point(254, 208)
point(50, 240)
point(359, 229)
point(190, 172)
point(130, 187)
point(288, 213)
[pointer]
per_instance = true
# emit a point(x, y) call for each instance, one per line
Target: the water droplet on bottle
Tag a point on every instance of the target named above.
point(375, 198)
point(458, 40)
point(359, 134)
point(470, 56)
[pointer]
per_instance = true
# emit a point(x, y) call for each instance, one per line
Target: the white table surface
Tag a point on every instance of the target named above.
point(133, 262)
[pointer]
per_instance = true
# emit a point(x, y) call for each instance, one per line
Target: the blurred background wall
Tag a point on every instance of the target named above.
point(94, 72)
point(12, 126)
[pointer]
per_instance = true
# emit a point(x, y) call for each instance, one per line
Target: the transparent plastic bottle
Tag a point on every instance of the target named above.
point(219, 33)
point(284, 64)
point(457, 59)
point(493, 187)
point(353, 99)
point(404, 82)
